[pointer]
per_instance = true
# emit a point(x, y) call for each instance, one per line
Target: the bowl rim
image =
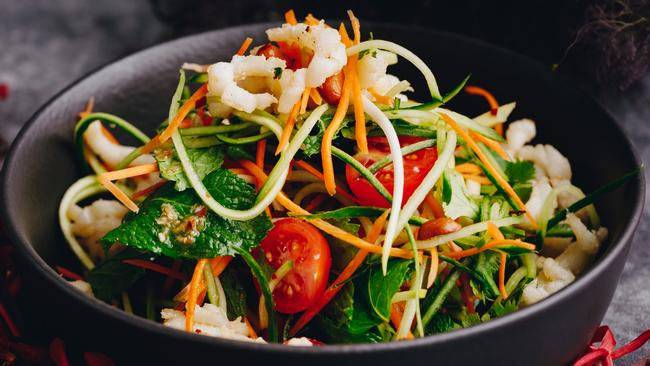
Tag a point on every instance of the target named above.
point(47, 273)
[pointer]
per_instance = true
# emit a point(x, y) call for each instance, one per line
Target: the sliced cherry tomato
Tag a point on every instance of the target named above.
point(270, 50)
point(416, 167)
point(332, 88)
point(296, 240)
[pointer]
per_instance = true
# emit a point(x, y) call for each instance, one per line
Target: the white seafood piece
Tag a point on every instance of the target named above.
point(222, 83)
point(519, 133)
point(373, 65)
point(92, 222)
point(541, 190)
point(110, 152)
point(329, 53)
point(554, 164)
point(299, 342)
point(385, 84)
point(83, 286)
point(292, 84)
point(210, 320)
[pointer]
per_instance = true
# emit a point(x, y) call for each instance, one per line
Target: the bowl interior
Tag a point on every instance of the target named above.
point(42, 165)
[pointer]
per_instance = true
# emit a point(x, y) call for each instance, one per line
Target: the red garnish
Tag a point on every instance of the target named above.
point(57, 353)
point(4, 91)
point(68, 274)
point(155, 267)
point(97, 359)
point(9, 321)
point(604, 353)
point(169, 281)
point(149, 190)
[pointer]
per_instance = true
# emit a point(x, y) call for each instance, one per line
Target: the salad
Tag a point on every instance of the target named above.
point(295, 194)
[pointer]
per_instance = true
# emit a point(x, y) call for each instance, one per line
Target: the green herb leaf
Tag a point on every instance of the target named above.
point(235, 293)
point(353, 212)
point(239, 152)
point(521, 171)
point(150, 230)
point(382, 288)
point(112, 276)
point(205, 161)
point(455, 199)
point(441, 323)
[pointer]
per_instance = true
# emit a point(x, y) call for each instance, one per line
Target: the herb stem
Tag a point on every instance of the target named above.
point(213, 294)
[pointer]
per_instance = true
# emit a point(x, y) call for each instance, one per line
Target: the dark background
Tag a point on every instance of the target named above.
point(47, 44)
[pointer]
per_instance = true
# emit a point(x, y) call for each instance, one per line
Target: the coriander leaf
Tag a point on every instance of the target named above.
point(441, 323)
point(204, 160)
point(311, 146)
point(455, 199)
point(503, 308)
point(112, 276)
point(521, 171)
point(487, 266)
point(239, 152)
point(382, 288)
point(523, 190)
point(235, 293)
point(175, 224)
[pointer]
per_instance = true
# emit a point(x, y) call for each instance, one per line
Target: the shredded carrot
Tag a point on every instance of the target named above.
point(192, 296)
point(244, 46)
point(315, 96)
point(117, 192)
point(324, 225)
point(251, 331)
point(288, 128)
point(345, 38)
point(347, 272)
point(477, 178)
point(433, 270)
point(130, 172)
point(492, 145)
point(147, 191)
point(494, 231)
point(434, 205)
point(311, 20)
point(356, 27)
point(396, 318)
point(238, 171)
point(504, 184)
point(491, 245)
point(468, 168)
point(359, 116)
point(89, 108)
point(380, 98)
point(502, 276)
point(304, 100)
point(290, 17)
point(316, 202)
point(492, 101)
point(326, 145)
point(454, 247)
point(259, 157)
point(155, 267)
point(182, 113)
point(218, 264)
point(68, 274)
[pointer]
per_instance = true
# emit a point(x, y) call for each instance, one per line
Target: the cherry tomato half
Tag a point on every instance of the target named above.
point(416, 167)
point(296, 240)
point(290, 53)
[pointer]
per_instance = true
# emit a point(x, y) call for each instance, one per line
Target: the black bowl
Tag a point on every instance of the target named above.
point(41, 165)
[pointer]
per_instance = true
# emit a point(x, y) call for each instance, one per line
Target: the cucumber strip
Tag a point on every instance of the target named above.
point(408, 55)
point(467, 231)
point(263, 119)
point(406, 295)
point(416, 285)
point(213, 294)
point(365, 173)
point(257, 272)
point(429, 181)
point(560, 231)
point(83, 124)
point(406, 150)
point(446, 98)
point(449, 285)
point(201, 78)
point(528, 260)
point(81, 189)
point(213, 130)
point(592, 197)
point(551, 201)
point(472, 125)
point(244, 140)
point(487, 119)
point(392, 229)
point(356, 211)
point(316, 187)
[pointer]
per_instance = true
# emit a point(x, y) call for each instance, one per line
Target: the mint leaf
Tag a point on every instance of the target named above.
point(382, 288)
point(521, 171)
point(237, 152)
point(112, 276)
point(205, 161)
point(235, 293)
point(200, 236)
point(455, 200)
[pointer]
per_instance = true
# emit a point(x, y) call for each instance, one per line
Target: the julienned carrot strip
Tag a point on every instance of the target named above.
point(314, 203)
point(193, 294)
point(117, 192)
point(259, 157)
point(316, 173)
point(502, 276)
point(454, 247)
point(304, 100)
point(396, 319)
point(155, 267)
point(130, 172)
point(244, 46)
point(311, 20)
point(345, 38)
point(356, 27)
point(315, 96)
point(434, 205)
point(433, 270)
point(491, 245)
point(68, 273)
point(492, 145)
point(90, 105)
point(326, 145)
point(504, 184)
point(251, 331)
point(288, 127)
point(359, 116)
point(218, 264)
point(147, 191)
point(347, 272)
point(492, 101)
point(494, 231)
point(380, 98)
point(468, 168)
point(183, 111)
point(324, 225)
point(290, 17)
point(477, 178)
